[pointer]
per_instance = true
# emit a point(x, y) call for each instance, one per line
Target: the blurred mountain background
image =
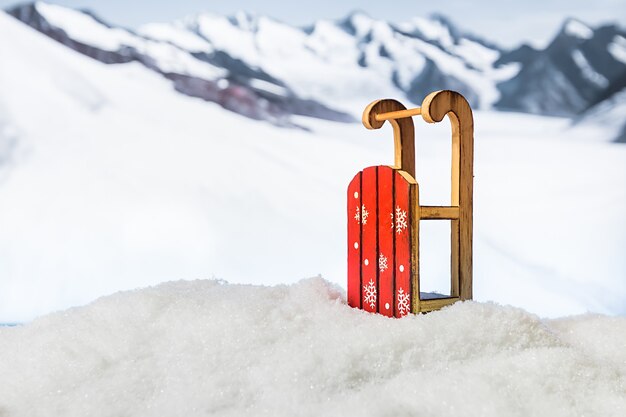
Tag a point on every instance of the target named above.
point(268, 70)
point(221, 146)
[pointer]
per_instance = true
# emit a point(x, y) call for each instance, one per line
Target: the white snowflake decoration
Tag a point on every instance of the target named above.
point(369, 294)
point(361, 214)
point(404, 306)
point(382, 263)
point(401, 220)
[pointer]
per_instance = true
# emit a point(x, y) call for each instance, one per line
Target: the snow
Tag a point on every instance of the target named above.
point(471, 52)
point(110, 180)
point(85, 28)
point(167, 57)
point(171, 59)
point(269, 87)
point(225, 36)
point(115, 181)
point(617, 48)
point(587, 70)
point(210, 348)
point(362, 23)
point(177, 35)
point(298, 57)
point(328, 40)
point(476, 54)
point(455, 67)
point(578, 29)
point(290, 55)
point(608, 114)
point(431, 29)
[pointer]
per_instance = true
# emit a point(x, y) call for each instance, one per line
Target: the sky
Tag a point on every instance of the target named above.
point(505, 22)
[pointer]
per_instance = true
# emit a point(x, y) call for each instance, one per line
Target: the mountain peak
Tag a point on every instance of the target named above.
point(357, 22)
point(444, 20)
point(62, 12)
point(358, 14)
point(435, 28)
point(575, 28)
point(246, 20)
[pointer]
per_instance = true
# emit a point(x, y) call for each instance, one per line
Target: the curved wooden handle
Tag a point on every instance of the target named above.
point(434, 108)
point(403, 131)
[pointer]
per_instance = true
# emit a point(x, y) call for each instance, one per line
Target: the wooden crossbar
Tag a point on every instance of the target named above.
point(400, 114)
point(436, 303)
point(439, 213)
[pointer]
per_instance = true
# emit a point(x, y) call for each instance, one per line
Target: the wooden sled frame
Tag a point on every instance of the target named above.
point(434, 108)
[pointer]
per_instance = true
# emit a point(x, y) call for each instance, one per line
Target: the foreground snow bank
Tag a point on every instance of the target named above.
point(212, 348)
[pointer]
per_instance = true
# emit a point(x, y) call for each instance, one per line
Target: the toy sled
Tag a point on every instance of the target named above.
point(384, 213)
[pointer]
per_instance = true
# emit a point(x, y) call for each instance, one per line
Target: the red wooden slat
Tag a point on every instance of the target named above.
point(369, 240)
point(354, 242)
point(402, 230)
point(385, 241)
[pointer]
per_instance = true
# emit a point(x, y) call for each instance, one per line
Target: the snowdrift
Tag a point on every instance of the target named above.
point(202, 348)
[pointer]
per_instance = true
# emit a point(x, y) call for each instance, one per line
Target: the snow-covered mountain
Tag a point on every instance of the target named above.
point(110, 179)
point(267, 69)
point(199, 72)
point(580, 68)
point(355, 58)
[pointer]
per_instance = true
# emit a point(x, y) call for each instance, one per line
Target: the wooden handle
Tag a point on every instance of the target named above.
point(434, 108)
point(403, 131)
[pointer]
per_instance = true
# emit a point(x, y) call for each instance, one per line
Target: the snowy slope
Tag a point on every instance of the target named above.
point(111, 180)
point(210, 75)
point(87, 30)
point(609, 113)
point(206, 348)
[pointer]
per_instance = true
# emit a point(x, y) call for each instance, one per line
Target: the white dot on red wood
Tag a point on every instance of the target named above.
point(387, 306)
point(356, 194)
point(401, 268)
point(356, 245)
point(366, 262)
